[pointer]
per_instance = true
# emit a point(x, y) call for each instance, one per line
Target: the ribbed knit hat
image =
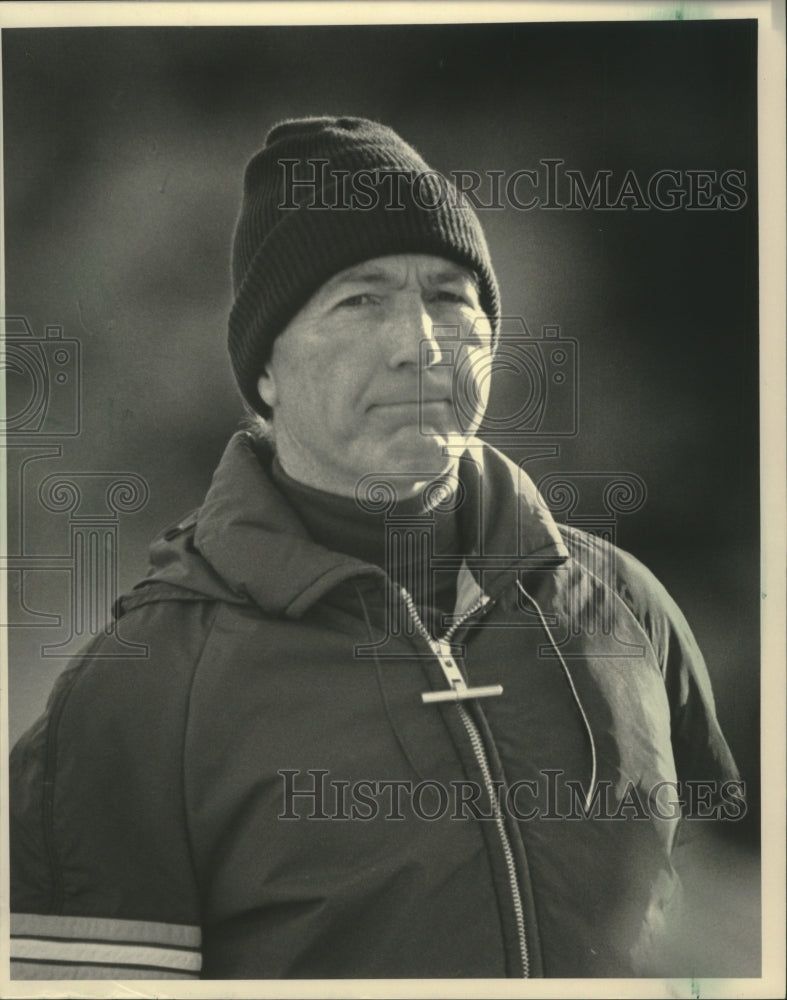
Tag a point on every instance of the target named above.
point(322, 195)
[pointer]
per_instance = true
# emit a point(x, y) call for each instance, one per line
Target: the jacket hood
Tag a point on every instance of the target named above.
point(246, 543)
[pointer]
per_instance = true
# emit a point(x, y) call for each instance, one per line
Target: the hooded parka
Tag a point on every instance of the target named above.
point(267, 793)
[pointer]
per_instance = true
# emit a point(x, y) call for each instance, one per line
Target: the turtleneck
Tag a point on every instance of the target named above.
point(340, 523)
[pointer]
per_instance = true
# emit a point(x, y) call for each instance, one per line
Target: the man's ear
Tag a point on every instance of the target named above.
point(266, 386)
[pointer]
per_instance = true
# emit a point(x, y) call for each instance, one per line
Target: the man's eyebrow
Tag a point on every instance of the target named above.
point(452, 274)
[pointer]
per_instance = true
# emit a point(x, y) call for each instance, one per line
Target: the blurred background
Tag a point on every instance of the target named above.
point(124, 151)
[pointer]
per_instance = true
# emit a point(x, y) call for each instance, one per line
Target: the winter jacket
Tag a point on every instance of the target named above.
point(267, 793)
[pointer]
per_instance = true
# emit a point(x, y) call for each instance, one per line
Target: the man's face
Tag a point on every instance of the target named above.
point(362, 379)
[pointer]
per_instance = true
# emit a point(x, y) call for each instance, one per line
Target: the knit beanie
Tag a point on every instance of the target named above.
point(322, 195)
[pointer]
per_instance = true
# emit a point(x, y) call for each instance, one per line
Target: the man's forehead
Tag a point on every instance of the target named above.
point(395, 267)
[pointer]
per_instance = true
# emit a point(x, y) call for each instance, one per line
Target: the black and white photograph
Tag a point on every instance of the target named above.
point(392, 425)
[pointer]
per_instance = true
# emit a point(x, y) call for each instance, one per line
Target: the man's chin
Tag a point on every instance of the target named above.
point(423, 458)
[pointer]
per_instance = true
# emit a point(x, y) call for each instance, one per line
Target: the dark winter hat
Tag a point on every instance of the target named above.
point(322, 195)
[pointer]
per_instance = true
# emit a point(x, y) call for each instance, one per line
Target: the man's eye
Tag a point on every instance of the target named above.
point(362, 299)
point(451, 297)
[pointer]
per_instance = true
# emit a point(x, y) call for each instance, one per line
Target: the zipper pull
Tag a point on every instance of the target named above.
point(458, 690)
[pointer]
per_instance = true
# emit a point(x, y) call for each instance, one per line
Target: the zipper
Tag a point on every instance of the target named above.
point(458, 689)
point(457, 692)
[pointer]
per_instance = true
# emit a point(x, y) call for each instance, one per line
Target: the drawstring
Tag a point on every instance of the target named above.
point(379, 673)
point(570, 679)
point(564, 665)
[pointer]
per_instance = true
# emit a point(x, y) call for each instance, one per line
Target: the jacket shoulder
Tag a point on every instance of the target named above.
point(698, 743)
point(631, 582)
point(98, 819)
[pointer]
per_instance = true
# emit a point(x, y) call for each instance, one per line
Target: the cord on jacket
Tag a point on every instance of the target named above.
point(570, 679)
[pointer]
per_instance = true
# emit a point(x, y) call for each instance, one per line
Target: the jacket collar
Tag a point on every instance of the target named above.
point(254, 539)
point(248, 542)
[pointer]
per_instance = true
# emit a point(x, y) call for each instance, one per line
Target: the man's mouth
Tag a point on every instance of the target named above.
point(403, 403)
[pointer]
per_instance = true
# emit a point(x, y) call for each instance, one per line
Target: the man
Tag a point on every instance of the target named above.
point(361, 744)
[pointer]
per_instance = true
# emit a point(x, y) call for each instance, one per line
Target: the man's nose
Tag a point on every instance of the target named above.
point(413, 336)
